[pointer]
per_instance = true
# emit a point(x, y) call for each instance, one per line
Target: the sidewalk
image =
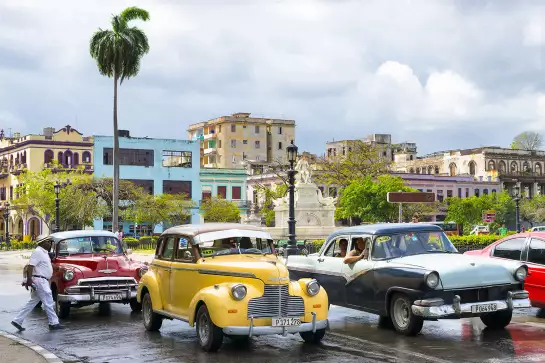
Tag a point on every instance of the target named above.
point(17, 350)
point(14, 258)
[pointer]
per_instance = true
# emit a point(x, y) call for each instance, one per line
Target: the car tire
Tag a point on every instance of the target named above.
point(62, 309)
point(135, 305)
point(209, 335)
point(403, 319)
point(497, 320)
point(314, 338)
point(152, 320)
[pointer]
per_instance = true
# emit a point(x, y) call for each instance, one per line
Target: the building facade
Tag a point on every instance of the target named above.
point(340, 148)
point(62, 149)
point(229, 141)
point(228, 184)
point(158, 165)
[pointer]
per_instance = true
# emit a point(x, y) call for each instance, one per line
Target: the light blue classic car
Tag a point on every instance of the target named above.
point(408, 273)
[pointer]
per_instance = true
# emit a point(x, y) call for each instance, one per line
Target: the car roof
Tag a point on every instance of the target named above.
point(387, 228)
point(59, 236)
point(192, 230)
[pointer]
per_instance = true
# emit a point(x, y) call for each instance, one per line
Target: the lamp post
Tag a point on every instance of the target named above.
point(292, 243)
point(6, 219)
point(58, 187)
point(516, 198)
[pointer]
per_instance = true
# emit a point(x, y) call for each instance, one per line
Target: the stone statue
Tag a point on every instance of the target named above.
point(325, 201)
point(304, 171)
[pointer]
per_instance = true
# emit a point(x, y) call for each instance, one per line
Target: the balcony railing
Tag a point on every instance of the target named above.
point(520, 173)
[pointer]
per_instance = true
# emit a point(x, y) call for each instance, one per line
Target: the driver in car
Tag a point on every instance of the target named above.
point(360, 252)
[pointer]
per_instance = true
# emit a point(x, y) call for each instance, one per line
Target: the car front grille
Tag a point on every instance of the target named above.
point(103, 285)
point(276, 302)
point(482, 294)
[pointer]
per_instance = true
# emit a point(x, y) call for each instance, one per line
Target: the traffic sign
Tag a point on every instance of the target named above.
point(489, 216)
point(410, 197)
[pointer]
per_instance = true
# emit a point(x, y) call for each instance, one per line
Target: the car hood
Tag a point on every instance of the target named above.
point(266, 268)
point(463, 271)
point(100, 265)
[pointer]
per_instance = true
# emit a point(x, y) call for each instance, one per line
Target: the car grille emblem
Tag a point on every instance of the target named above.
point(107, 271)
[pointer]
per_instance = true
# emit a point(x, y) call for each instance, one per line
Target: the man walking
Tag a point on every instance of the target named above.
point(39, 271)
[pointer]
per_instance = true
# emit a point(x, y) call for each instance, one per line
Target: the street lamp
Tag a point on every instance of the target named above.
point(516, 198)
point(292, 243)
point(58, 187)
point(6, 219)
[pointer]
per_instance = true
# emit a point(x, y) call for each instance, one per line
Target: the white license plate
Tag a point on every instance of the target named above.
point(286, 321)
point(110, 297)
point(484, 308)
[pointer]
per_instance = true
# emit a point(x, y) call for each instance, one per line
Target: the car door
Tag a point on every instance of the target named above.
point(163, 263)
point(359, 279)
point(328, 270)
point(184, 280)
point(535, 282)
point(510, 249)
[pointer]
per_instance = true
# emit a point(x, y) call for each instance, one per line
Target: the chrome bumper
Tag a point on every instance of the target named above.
point(436, 308)
point(127, 295)
point(275, 330)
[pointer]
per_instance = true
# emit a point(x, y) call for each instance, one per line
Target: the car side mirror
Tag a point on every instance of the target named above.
point(51, 255)
point(129, 251)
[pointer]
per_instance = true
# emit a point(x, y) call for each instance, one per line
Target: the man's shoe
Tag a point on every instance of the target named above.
point(56, 327)
point(18, 326)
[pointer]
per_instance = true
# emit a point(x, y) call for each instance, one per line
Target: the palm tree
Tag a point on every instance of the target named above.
point(118, 52)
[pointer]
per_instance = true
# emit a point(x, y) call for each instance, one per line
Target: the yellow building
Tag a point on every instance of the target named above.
point(67, 147)
point(230, 141)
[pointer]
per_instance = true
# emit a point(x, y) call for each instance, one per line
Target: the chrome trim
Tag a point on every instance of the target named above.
point(170, 315)
point(313, 322)
point(251, 326)
point(93, 297)
point(276, 301)
point(113, 278)
point(430, 302)
point(275, 330)
point(227, 273)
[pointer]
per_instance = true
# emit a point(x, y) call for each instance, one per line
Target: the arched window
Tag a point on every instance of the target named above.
point(86, 157)
point(48, 156)
point(502, 167)
point(452, 169)
point(491, 165)
point(23, 157)
point(493, 191)
point(514, 167)
point(430, 169)
point(472, 168)
point(76, 159)
point(68, 158)
point(485, 191)
point(436, 170)
point(417, 170)
point(411, 170)
point(526, 167)
point(60, 157)
point(538, 169)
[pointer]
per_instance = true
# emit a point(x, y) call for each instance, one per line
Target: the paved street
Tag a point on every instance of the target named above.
point(119, 336)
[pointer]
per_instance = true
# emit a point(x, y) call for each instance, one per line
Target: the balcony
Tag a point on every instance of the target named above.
point(17, 169)
point(210, 151)
point(209, 136)
point(4, 172)
point(520, 174)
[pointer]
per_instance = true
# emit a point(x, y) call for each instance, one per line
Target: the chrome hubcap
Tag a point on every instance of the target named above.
point(401, 313)
point(204, 329)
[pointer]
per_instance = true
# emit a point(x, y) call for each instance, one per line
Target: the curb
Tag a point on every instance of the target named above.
point(47, 355)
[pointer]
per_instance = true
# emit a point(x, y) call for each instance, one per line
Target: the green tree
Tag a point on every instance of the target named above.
point(533, 210)
point(118, 53)
point(267, 195)
point(220, 210)
point(527, 140)
point(171, 209)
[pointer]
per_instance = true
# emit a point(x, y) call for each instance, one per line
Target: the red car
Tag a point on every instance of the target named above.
point(92, 267)
point(528, 248)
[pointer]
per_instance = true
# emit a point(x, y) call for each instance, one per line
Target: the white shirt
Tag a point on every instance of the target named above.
point(119, 235)
point(41, 262)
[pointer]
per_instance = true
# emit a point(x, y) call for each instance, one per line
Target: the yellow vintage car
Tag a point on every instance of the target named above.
point(226, 280)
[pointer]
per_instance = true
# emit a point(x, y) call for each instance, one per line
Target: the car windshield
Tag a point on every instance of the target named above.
point(412, 243)
point(236, 246)
point(89, 244)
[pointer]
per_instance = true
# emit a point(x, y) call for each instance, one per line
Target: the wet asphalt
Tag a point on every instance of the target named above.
point(117, 335)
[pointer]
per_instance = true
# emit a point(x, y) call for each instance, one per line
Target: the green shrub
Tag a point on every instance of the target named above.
point(147, 243)
point(131, 242)
point(481, 239)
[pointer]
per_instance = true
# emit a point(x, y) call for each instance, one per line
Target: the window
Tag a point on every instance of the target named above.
point(257, 129)
point(233, 144)
point(467, 192)
point(510, 249)
point(219, 144)
point(449, 193)
point(236, 193)
point(244, 142)
point(137, 157)
point(177, 187)
point(536, 253)
point(279, 130)
point(476, 192)
point(179, 159)
point(184, 252)
point(3, 193)
point(459, 192)
point(219, 128)
point(257, 144)
point(222, 192)
point(485, 191)
point(279, 146)
point(168, 248)
point(233, 128)
point(11, 192)
point(234, 159)
point(147, 185)
point(334, 249)
point(48, 156)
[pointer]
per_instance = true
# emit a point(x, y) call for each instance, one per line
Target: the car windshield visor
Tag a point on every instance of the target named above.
point(235, 242)
point(411, 243)
point(89, 244)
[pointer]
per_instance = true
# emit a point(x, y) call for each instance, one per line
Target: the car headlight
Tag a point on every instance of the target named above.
point(142, 271)
point(68, 275)
point(432, 280)
point(521, 273)
point(313, 287)
point(238, 292)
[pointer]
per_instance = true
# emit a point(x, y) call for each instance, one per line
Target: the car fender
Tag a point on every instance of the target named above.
point(413, 295)
point(318, 303)
point(149, 281)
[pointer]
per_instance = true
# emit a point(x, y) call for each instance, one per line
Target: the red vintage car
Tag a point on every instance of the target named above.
point(528, 248)
point(92, 267)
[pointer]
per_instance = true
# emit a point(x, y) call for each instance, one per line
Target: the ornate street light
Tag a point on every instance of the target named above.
point(292, 243)
point(6, 220)
point(58, 187)
point(516, 197)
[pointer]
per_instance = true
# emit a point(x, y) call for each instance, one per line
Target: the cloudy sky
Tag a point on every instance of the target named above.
point(444, 74)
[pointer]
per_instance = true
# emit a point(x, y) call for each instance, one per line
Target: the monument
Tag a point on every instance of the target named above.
point(314, 214)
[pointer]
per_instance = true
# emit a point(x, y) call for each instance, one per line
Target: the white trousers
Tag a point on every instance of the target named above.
point(43, 294)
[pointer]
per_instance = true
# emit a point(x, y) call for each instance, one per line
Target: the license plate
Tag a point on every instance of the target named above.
point(110, 297)
point(286, 321)
point(484, 308)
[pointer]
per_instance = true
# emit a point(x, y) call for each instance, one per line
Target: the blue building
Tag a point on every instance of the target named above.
point(158, 165)
point(228, 184)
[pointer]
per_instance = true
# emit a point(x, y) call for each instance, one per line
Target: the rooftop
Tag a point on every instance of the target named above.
point(387, 228)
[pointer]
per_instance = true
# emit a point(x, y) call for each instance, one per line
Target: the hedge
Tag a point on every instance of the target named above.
point(18, 245)
point(144, 243)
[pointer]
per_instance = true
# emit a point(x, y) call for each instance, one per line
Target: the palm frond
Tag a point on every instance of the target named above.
point(134, 13)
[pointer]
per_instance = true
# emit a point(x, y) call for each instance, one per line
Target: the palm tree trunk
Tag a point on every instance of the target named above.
point(115, 199)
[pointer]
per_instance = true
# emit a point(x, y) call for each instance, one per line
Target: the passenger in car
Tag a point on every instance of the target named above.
point(360, 252)
point(343, 246)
